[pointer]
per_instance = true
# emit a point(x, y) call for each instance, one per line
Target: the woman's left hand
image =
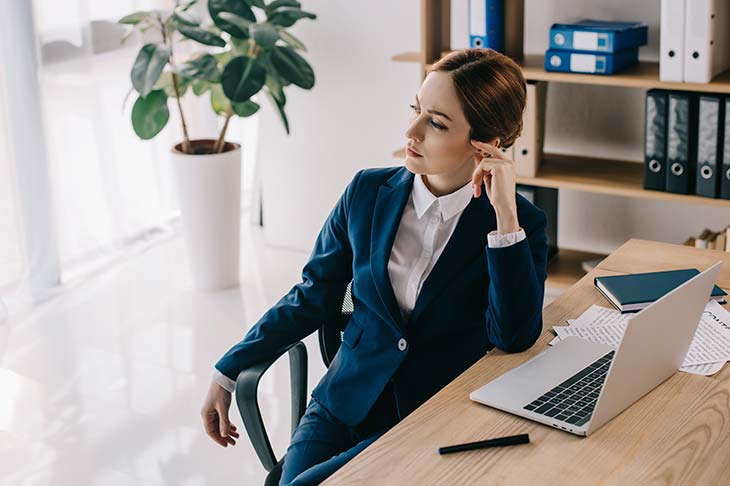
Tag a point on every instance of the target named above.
point(500, 181)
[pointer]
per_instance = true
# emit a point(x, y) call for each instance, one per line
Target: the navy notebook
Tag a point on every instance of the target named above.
point(633, 292)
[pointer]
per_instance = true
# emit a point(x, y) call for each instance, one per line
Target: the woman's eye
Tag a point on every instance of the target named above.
point(437, 126)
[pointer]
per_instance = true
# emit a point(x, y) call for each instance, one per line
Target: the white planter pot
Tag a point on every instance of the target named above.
point(209, 192)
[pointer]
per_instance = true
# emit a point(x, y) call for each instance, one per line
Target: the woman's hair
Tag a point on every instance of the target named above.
point(492, 92)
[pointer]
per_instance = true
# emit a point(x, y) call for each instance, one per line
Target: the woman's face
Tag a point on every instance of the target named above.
point(438, 131)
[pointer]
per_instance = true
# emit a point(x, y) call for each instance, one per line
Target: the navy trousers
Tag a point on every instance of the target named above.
point(322, 444)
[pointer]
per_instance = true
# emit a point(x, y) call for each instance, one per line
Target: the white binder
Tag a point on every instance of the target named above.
point(459, 25)
point(706, 30)
point(671, 41)
point(528, 147)
point(509, 153)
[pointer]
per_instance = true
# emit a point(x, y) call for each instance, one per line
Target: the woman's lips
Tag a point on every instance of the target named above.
point(411, 153)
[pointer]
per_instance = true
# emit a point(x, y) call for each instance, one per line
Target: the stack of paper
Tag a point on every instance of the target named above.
point(709, 351)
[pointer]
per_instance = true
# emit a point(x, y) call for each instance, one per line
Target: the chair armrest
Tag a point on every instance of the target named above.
point(247, 385)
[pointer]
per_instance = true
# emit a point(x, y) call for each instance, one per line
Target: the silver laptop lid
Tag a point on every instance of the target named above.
point(654, 346)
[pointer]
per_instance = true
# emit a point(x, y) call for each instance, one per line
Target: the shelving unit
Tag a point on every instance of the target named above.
point(599, 176)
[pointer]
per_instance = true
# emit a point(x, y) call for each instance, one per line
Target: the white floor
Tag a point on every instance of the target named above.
point(103, 386)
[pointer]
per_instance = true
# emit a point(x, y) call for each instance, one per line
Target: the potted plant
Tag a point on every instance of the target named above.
point(243, 57)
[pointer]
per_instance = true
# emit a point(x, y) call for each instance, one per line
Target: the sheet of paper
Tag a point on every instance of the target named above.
point(597, 315)
point(718, 314)
point(703, 369)
point(711, 343)
point(609, 334)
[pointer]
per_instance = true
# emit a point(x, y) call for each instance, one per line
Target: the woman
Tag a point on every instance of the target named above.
point(441, 271)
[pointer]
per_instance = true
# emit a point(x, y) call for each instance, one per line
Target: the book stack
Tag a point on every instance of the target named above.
point(594, 46)
point(687, 143)
point(711, 240)
point(633, 292)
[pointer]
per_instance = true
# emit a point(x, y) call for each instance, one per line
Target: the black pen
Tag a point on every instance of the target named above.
point(483, 444)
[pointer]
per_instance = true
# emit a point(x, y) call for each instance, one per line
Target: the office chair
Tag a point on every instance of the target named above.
point(330, 338)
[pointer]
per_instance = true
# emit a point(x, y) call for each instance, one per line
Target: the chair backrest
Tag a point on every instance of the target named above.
point(330, 333)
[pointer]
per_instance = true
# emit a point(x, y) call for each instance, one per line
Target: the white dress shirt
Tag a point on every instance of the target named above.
point(425, 228)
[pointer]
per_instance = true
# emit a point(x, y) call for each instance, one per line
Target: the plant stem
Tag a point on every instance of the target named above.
point(218, 147)
point(186, 139)
point(167, 39)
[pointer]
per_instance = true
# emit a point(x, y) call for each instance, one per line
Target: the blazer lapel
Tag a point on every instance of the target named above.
point(469, 237)
point(389, 206)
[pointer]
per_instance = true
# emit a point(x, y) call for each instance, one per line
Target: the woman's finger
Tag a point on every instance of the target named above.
point(482, 174)
point(211, 428)
point(489, 149)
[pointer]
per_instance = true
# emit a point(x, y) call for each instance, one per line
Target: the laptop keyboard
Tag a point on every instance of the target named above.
point(573, 400)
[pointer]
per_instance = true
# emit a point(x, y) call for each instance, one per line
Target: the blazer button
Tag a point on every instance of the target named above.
point(402, 344)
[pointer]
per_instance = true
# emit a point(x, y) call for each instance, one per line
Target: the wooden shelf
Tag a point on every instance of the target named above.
point(600, 176)
point(603, 176)
point(643, 75)
point(565, 268)
point(407, 57)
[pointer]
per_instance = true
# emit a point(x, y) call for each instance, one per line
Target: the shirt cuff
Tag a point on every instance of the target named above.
point(495, 240)
point(224, 381)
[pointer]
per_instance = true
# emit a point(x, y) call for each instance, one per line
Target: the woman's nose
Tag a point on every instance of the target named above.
point(413, 133)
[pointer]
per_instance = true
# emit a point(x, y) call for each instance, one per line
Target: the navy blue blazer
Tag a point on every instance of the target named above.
point(474, 299)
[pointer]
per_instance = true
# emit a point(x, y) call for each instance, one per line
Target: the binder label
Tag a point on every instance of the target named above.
point(583, 63)
point(585, 41)
point(477, 17)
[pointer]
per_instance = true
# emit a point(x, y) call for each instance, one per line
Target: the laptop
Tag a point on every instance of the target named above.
point(578, 385)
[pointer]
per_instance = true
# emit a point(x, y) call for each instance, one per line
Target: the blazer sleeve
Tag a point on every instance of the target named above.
point(308, 304)
point(517, 276)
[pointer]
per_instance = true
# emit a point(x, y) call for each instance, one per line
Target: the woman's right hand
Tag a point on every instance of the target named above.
point(215, 415)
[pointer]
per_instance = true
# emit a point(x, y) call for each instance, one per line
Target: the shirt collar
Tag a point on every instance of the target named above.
point(450, 205)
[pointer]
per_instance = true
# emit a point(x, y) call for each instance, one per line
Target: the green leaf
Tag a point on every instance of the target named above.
point(287, 17)
point(185, 6)
point(238, 22)
point(148, 67)
point(270, 8)
point(292, 67)
point(186, 18)
point(136, 17)
point(237, 7)
point(266, 58)
point(203, 67)
point(247, 108)
point(290, 39)
point(201, 35)
point(200, 87)
point(240, 47)
point(219, 102)
point(150, 114)
point(166, 84)
point(264, 34)
point(256, 3)
point(274, 85)
point(242, 78)
point(280, 110)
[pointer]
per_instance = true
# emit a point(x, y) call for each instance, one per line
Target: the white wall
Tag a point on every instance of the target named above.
point(360, 101)
point(354, 117)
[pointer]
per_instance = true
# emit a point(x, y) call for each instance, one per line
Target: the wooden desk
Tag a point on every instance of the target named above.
point(677, 434)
